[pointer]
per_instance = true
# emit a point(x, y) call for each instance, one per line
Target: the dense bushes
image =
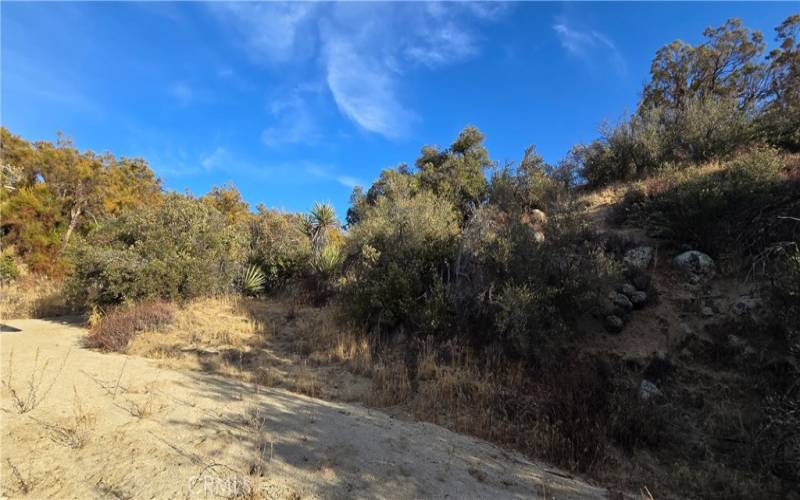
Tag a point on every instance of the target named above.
point(401, 247)
point(278, 245)
point(180, 249)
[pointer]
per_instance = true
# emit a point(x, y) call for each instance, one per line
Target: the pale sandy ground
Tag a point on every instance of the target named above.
point(161, 433)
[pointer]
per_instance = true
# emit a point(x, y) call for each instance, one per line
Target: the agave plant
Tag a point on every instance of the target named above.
point(253, 280)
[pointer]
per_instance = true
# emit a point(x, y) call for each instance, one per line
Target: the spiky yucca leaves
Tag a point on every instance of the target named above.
point(319, 224)
point(328, 261)
point(253, 280)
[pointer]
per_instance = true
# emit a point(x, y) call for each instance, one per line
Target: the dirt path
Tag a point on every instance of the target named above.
point(115, 426)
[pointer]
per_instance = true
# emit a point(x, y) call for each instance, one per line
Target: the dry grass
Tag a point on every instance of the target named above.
point(390, 384)
point(32, 297)
point(34, 390)
point(74, 432)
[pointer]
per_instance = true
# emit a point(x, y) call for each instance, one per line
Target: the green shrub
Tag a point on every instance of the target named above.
point(8, 268)
point(177, 250)
point(402, 245)
point(252, 280)
point(279, 246)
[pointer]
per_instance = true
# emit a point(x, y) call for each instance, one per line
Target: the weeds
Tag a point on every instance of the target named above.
point(75, 433)
point(31, 396)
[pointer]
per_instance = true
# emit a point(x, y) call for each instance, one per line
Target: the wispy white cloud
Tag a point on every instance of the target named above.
point(273, 32)
point(589, 44)
point(294, 119)
point(364, 90)
point(326, 173)
point(362, 50)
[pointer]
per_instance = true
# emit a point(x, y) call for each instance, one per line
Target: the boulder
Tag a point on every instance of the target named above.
point(638, 258)
point(638, 299)
point(537, 216)
point(613, 324)
point(707, 312)
point(621, 301)
point(648, 390)
point(627, 289)
point(695, 265)
point(745, 306)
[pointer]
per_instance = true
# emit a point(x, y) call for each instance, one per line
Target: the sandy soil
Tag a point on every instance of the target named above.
point(115, 426)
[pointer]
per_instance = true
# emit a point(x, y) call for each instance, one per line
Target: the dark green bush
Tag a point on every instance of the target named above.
point(401, 247)
point(278, 245)
point(734, 211)
point(177, 250)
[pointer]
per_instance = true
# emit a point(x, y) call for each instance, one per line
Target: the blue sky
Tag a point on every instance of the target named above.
point(299, 102)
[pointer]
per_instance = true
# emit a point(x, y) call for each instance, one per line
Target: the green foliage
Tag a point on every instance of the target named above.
point(279, 246)
point(530, 186)
point(180, 249)
point(456, 174)
point(252, 280)
point(399, 249)
point(8, 268)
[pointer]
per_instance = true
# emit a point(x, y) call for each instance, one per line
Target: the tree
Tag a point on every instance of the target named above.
point(320, 225)
point(228, 200)
point(781, 117)
point(726, 65)
point(457, 173)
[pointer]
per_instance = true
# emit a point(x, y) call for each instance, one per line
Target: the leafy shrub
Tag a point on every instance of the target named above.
point(526, 290)
point(397, 251)
point(8, 268)
point(279, 246)
point(116, 329)
point(177, 250)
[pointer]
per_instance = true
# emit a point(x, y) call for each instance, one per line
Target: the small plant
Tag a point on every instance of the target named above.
point(253, 280)
point(34, 392)
point(116, 329)
point(75, 433)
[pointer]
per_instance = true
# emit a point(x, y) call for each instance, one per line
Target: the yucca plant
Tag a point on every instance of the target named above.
point(328, 261)
point(253, 280)
point(320, 223)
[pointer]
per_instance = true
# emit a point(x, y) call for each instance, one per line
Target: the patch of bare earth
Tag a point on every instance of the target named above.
point(82, 424)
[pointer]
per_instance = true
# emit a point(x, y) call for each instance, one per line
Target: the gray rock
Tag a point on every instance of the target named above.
point(746, 305)
point(707, 312)
point(613, 324)
point(648, 390)
point(627, 289)
point(621, 301)
point(695, 265)
point(638, 258)
point(638, 299)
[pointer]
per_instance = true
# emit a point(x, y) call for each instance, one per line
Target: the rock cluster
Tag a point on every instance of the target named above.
point(622, 302)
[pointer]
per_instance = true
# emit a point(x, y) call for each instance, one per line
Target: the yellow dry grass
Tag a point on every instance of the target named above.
point(32, 297)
